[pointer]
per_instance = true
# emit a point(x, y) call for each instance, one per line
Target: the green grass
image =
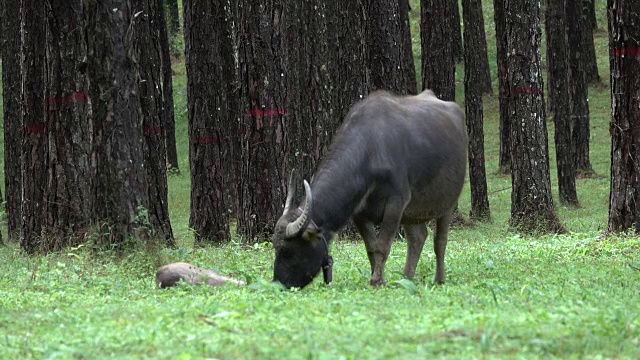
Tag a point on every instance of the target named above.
point(506, 296)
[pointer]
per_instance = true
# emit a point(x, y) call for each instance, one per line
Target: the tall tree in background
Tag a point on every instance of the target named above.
point(65, 213)
point(12, 112)
point(532, 208)
point(458, 49)
point(384, 33)
point(119, 199)
point(34, 139)
point(559, 95)
point(147, 33)
point(473, 45)
point(624, 60)
point(438, 62)
point(578, 85)
point(407, 48)
point(212, 107)
point(168, 111)
point(173, 18)
point(504, 161)
point(590, 25)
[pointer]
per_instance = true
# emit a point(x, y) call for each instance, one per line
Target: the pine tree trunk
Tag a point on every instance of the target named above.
point(438, 62)
point(386, 59)
point(407, 47)
point(458, 49)
point(532, 208)
point(174, 17)
point(66, 212)
point(34, 137)
point(12, 114)
point(212, 109)
point(578, 86)
point(589, 25)
point(624, 59)
point(474, 41)
point(559, 95)
point(168, 111)
point(119, 201)
point(150, 96)
point(504, 162)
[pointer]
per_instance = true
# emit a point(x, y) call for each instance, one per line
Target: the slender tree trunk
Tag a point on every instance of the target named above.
point(624, 59)
point(504, 161)
point(212, 108)
point(150, 96)
point(66, 212)
point(174, 17)
point(386, 59)
point(438, 61)
point(168, 111)
point(12, 113)
point(532, 208)
point(34, 138)
point(458, 49)
point(578, 85)
point(589, 25)
point(119, 200)
point(484, 75)
point(407, 47)
point(559, 95)
point(473, 40)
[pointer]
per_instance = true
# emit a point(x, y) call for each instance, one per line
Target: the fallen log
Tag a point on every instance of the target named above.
point(170, 275)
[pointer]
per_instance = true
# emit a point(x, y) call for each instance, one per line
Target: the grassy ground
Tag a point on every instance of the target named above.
point(507, 296)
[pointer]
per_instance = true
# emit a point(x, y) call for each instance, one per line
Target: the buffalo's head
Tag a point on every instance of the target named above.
point(301, 252)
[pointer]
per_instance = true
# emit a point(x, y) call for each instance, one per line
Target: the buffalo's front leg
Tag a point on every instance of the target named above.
point(378, 247)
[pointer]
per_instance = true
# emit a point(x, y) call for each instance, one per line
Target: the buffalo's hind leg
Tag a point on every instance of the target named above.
point(440, 244)
point(416, 236)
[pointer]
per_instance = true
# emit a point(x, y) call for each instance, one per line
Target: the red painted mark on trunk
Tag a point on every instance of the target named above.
point(73, 98)
point(626, 52)
point(209, 140)
point(34, 129)
point(153, 130)
point(258, 112)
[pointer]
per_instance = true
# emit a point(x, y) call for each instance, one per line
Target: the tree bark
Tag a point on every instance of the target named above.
point(386, 59)
point(504, 161)
point(532, 208)
point(624, 59)
point(12, 114)
point(150, 96)
point(438, 61)
point(578, 85)
point(212, 108)
point(34, 138)
point(559, 95)
point(119, 200)
point(407, 47)
point(168, 111)
point(473, 40)
point(66, 211)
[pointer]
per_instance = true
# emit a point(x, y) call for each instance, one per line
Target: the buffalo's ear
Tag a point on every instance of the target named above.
point(312, 233)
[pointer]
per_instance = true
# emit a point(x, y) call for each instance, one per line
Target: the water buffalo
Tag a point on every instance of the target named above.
point(170, 275)
point(395, 160)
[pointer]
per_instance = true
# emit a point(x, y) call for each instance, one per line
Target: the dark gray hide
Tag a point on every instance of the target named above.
point(395, 160)
point(170, 275)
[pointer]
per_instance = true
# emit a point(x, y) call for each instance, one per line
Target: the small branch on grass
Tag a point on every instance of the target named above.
point(633, 267)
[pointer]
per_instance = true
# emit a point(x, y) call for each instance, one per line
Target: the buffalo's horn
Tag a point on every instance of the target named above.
point(290, 191)
point(296, 228)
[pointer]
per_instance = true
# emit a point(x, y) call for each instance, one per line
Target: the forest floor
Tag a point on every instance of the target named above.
point(506, 296)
